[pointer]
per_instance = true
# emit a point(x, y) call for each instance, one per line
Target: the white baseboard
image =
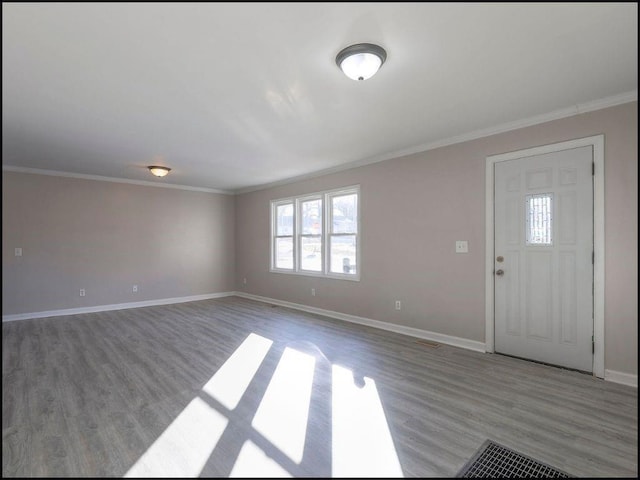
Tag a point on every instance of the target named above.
point(116, 306)
point(413, 332)
point(621, 377)
point(609, 375)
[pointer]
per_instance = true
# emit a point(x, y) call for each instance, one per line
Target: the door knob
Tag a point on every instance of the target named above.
point(499, 272)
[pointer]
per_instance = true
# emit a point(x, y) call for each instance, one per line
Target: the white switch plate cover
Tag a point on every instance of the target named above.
point(462, 246)
point(18, 252)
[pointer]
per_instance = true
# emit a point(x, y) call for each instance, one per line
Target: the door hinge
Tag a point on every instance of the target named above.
point(593, 345)
point(593, 168)
point(593, 258)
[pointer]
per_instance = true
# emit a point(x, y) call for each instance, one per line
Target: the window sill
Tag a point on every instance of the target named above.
point(332, 276)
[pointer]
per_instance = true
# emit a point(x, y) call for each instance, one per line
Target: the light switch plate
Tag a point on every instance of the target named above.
point(18, 252)
point(462, 246)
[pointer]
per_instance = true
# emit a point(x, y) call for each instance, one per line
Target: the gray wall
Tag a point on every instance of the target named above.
point(414, 208)
point(105, 237)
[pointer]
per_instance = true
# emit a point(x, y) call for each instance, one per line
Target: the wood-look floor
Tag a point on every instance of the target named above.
point(88, 395)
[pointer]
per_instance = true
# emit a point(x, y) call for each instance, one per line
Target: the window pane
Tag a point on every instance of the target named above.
point(539, 219)
point(311, 217)
point(343, 254)
point(311, 254)
point(284, 253)
point(344, 214)
point(284, 219)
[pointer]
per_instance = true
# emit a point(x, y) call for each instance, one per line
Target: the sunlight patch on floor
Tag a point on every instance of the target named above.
point(230, 382)
point(185, 446)
point(253, 462)
point(361, 442)
point(284, 410)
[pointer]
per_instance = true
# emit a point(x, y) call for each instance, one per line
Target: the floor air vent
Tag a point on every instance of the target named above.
point(495, 461)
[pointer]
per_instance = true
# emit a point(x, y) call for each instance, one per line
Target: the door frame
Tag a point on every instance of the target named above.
point(597, 142)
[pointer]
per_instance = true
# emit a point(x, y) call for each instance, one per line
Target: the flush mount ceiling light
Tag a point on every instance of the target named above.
point(361, 61)
point(159, 171)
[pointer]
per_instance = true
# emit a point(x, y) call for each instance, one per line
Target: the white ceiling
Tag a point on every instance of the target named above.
point(233, 96)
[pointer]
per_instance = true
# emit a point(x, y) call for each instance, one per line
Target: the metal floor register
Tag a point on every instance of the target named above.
point(495, 461)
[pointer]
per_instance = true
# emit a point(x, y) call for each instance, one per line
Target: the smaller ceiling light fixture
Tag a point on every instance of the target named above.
point(159, 171)
point(361, 61)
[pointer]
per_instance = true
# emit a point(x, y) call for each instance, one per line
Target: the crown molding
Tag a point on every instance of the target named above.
point(56, 173)
point(486, 132)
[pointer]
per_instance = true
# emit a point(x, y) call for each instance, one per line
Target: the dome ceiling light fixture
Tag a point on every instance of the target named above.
point(361, 61)
point(159, 171)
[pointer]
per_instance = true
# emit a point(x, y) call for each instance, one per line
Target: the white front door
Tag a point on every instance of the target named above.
point(543, 264)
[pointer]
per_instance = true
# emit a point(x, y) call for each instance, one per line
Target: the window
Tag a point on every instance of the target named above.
point(538, 218)
point(284, 236)
point(310, 247)
point(343, 232)
point(317, 234)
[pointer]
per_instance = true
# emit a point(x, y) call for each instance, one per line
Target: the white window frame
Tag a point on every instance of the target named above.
point(300, 235)
point(274, 221)
point(325, 236)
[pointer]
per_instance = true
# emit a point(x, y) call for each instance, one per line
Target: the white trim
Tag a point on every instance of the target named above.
point(55, 173)
point(489, 331)
point(308, 273)
point(597, 142)
point(578, 109)
point(486, 132)
point(413, 332)
point(116, 306)
point(621, 377)
point(609, 375)
point(599, 256)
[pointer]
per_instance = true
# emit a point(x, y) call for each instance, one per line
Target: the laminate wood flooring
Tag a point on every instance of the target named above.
point(234, 387)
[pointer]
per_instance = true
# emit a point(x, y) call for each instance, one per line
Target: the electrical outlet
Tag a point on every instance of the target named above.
point(135, 288)
point(398, 305)
point(244, 280)
point(82, 292)
point(313, 292)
